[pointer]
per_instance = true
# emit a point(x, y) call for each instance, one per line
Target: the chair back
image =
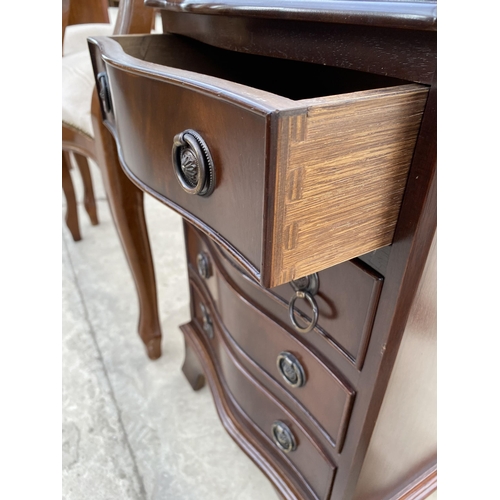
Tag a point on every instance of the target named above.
point(133, 18)
point(87, 11)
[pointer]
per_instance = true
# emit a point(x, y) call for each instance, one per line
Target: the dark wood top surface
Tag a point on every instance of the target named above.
point(406, 14)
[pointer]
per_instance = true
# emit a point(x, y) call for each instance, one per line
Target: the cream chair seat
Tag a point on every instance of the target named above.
point(77, 89)
point(75, 36)
point(77, 76)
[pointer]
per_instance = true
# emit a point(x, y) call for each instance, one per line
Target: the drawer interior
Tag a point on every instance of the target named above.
point(294, 80)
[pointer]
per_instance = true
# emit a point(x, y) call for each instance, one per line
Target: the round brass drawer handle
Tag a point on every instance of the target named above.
point(193, 164)
point(308, 283)
point(299, 294)
point(283, 437)
point(104, 94)
point(291, 369)
point(208, 326)
point(203, 265)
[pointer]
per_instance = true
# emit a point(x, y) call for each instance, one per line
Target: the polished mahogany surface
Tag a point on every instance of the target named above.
point(406, 14)
point(300, 164)
point(347, 299)
point(238, 327)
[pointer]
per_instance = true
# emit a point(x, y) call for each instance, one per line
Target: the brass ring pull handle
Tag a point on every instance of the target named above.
point(290, 369)
point(193, 164)
point(208, 326)
point(299, 294)
point(283, 437)
point(104, 94)
point(308, 283)
point(203, 265)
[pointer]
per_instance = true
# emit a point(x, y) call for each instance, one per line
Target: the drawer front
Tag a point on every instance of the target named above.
point(281, 361)
point(265, 412)
point(299, 169)
point(307, 460)
point(347, 298)
point(150, 113)
point(267, 344)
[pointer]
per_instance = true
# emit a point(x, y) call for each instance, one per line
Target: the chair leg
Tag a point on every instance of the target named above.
point(127, 206)
point(88, 197)
point(69, 193)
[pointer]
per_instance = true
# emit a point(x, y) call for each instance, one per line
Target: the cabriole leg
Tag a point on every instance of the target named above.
point(127, 207)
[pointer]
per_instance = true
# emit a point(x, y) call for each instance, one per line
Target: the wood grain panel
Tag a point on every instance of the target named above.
point(406, 54)
point(263, 410)
point(404, 439)
point(341, 173)
point(309, 462)
point(200, 365)
point(234, 210)
point(301, 169)
point(409, 14)
point(347, 300)
point(88, 11)
point(261, 340)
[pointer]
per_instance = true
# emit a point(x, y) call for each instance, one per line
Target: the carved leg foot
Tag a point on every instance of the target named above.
point(192, 368)
point(69, 193)
point(151, 336)
point(127, 208)
point(88, 198)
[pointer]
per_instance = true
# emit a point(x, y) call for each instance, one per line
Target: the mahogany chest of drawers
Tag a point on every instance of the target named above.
point(297, 140)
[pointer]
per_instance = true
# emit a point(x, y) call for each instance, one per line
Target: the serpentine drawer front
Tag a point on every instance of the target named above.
point(298, 375)
point(290, 175)
point(347, 299)
point(289, 439)
point(267, 413)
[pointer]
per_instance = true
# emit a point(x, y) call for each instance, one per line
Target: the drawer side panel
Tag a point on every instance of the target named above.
point(341, 173)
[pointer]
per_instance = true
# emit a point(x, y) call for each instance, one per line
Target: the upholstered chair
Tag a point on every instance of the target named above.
point(86, 136)
point(81, 19)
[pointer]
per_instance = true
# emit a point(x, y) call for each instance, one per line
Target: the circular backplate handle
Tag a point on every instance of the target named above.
point(203, 265)
point(290, 369)
point(208, 326)
point(309, 283)
point(283, 437)
point(193, 164)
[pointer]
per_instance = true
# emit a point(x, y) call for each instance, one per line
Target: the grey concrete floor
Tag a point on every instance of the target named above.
point(133, 428)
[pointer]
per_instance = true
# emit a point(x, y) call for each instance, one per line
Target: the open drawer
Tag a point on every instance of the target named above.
point(292, 167)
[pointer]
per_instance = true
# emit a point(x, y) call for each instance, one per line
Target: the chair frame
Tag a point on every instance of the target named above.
point(125, 199)
point(74, 142)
